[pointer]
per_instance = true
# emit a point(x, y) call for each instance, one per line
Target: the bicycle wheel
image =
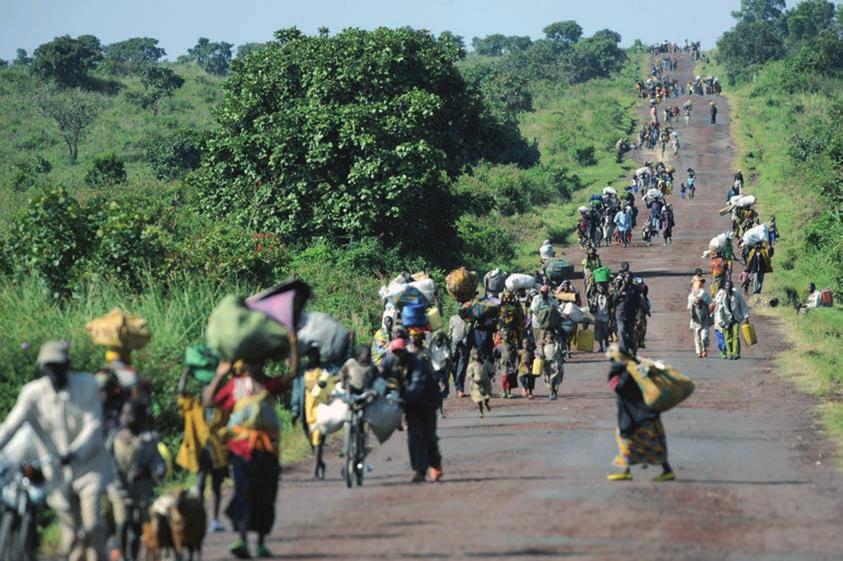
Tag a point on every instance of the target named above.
point(22, 549)
point(350, 454)
point(360, 456)
point(6, 537)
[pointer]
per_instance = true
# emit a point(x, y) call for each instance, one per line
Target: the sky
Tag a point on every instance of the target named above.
point(179, 23)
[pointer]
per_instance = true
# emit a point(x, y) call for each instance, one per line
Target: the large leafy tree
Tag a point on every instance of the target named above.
point(807, 19)
point(563, 32)
point(133, 54)
point(158, 82)
point(67, 61)
point(748, 44)
point(345, 137)
point(22, 58)
point(212, 57)
point(759, 10)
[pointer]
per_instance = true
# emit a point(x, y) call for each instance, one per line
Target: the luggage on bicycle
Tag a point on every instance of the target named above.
point(384, 415)
point(330, 417)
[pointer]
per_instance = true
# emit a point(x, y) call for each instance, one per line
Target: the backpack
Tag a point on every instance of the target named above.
point(549, 318)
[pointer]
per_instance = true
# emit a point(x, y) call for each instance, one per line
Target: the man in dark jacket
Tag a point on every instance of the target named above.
point(421, 402)
point(627, 299)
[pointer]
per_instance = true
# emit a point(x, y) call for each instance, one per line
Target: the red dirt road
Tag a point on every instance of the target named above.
point(756, 476)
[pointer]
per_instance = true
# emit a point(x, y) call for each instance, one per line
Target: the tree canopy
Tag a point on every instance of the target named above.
point(133, 54)
point(68, 61)
point(347, 136)
point(158, 82)
point(213, 58)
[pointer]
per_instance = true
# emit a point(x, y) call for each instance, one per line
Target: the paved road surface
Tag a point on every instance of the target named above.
point(756, 481)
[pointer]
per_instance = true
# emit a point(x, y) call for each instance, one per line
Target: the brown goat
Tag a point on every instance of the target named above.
point(177, 523)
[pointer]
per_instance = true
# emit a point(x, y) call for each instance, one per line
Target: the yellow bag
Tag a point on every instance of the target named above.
point(663, 386)
point(435, 319)
point(538, 366)
point(119, 330)
point(748, 332)
point(461, 284)
point(585, 340)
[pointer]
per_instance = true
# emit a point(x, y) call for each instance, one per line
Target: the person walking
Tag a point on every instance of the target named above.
point(458, 334)
point(243, 390)
point(421, 398)
point(668, 223)
point(63, 409)
point(623, 223)
point(729, 313)
point(701, 319)
point(627, 300)
point(758, 264)
point(640, 434)
point(481, 385)
point(526, 356)
point(599, 304)
point(713, 109)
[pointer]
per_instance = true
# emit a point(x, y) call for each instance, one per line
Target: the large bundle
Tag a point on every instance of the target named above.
point(652, 195)
point(610, 191)
point(520, 281)
point(331, 417)
point(415, 315)
point(236, 332)
point(119, 330)
point(642, 171)
point(558, 270)
point(461, 284)
point(572, 312)
point(549, 317)
point(582, 209)
point(323, 331)
point(662, 386)
point(384, 415)
point(756, 235)
point(495, 281)
point(479, 310)
point(283, 302)
point(745, 201)
point(717, 244)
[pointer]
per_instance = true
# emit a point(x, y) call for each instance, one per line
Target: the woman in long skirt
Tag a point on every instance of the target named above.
point(640, 435)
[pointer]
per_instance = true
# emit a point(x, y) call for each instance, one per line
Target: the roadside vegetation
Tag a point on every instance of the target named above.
point(161, 186)
point(789, 109)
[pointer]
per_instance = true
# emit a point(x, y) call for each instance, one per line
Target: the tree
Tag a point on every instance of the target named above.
point(67, 61)
point(809, 18)
point(490, 45)
point(72, 110)
point(366, 153)
point(158, 82)
point(597, 56)
point(213, 58)
point(246, 49)
point(22, 59)
point(107, 169)
point(453, 42)
point(759, 10)
point(504, 94)
point(747, 44)
point(565, 33)
point(515, 43)
point(133, 54)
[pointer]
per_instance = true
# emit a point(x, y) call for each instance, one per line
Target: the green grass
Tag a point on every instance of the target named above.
point(763, 121)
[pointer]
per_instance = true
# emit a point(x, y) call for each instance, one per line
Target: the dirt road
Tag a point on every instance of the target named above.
point(756, 476)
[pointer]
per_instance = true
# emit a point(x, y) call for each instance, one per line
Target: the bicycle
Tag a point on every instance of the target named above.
point(23, 498)
point(354, 448)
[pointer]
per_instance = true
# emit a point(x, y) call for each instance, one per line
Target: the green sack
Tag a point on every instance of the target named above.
point(236, 332)
point(549, 318)
point(601, 274)
point(201, 361)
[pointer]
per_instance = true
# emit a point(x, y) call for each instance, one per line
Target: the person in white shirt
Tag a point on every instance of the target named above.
point(64, 411)
point(815, 297)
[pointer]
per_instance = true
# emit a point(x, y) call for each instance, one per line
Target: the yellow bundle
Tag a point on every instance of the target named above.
point(119, 330)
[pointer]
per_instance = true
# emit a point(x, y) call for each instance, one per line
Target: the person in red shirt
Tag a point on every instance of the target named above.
point(243, 390)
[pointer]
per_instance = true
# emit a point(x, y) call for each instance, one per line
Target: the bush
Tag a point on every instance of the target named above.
point(483, 241)
point(130, 247)
point(584, 155)
point(107, 169)
point(25, 173)
point(53, 238)
point(174, 156)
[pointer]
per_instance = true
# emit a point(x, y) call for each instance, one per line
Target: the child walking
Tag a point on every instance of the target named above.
point(506, 368)
point(525, 369)
point(478, 377)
